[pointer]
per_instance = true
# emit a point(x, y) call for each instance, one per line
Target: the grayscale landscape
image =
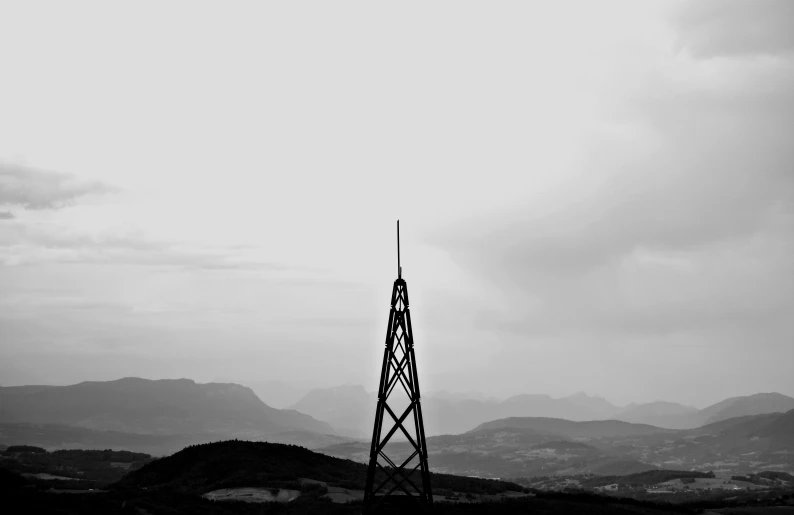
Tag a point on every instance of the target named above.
point(212, 214)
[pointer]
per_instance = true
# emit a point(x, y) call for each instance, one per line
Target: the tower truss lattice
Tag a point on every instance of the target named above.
point(398, 473)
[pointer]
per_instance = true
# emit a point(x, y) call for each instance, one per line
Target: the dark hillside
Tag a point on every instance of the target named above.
point(202, 468)
point(780, 431)
point(780, 428)
point(88, 466)
point(157, 503)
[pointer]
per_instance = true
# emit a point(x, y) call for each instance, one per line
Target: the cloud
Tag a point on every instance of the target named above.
point(730, 28)
point(27, 243)
point(679, 217)
point(36, 189)
point(721, 171)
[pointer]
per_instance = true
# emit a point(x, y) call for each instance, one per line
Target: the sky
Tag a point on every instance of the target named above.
point(593, 196)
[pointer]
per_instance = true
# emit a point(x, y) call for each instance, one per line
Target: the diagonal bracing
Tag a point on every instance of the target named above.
point(399, 367)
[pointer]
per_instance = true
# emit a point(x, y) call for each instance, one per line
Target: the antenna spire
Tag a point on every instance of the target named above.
point(399, 268)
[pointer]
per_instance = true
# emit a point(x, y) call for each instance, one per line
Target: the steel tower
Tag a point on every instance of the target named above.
point(390, 479)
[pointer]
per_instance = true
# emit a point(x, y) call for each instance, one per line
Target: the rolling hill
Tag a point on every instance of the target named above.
point(527, 446)
point(757, 404)
point(570, 429)
point(779, 431)
point(202, 468)
point(524, 447)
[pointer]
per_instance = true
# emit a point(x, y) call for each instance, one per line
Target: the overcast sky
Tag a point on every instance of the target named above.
point(594, 196)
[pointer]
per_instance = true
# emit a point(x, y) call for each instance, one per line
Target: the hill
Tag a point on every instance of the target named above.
point(780, 432)
point(184, 483)
point(758, 404)
point(744, 426)
point(576, 407)
point(571, 429)
point(533, 446)
point(163, 407)
point(203, 468)
point(508, 451)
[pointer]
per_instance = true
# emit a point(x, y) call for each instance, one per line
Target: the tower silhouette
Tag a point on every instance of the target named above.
point(391, 478)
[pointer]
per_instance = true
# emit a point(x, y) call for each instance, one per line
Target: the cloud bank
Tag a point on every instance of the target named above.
point(35, 189)
point(692, 228)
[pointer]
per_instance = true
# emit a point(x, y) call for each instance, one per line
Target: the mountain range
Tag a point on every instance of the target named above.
point(158, 408)
point(350, 410)
point(161, 417)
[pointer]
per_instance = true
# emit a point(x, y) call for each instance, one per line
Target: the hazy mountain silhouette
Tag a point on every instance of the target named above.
point(663, 414)
point(276, 394)
point(459, 396)
point(576, 407)
point(678, 416)
point(757, 404)
point(133, 405)
point(350, 409)
point(453, 416)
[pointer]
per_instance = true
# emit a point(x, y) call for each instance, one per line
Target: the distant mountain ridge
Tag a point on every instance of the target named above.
point(350, 410)
point(156, 407)
point(660, 413)
point(757, 404)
